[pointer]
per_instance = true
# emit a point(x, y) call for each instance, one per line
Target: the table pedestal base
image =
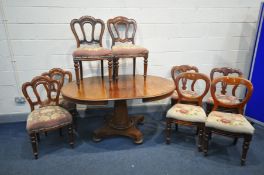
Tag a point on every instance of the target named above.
point(121, 124)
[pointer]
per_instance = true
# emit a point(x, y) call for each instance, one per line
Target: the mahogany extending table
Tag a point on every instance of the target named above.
point(98, 91)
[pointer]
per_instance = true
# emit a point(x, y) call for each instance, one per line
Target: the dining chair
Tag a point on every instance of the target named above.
point(223, 96)
point(63, 77)
point(189, 114)
point(227, 123)
point(42, 94)
point(176, 70)
point(122, 31)
point(89, 45)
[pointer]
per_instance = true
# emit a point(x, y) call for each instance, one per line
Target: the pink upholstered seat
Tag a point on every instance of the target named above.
point(91, 51)
point(128, 49)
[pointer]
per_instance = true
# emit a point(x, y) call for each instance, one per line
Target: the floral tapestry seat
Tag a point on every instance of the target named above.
point(187, 112)
point(128, 49)
point(47, 118)
point(230, 122)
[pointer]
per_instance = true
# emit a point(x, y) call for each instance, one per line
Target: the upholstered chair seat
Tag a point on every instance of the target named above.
point(128, 49)
point(91, 52)
point(187, 112)
point(230, 122)
point(47, 118)
point(224, 98)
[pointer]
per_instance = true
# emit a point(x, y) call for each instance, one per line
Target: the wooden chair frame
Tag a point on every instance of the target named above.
point(197, 100)
point(235, 81)
point(78, 60)
point(113, 25)
point(180, 69)
point(51, 86)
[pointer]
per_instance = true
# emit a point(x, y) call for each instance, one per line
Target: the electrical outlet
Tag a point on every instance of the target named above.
point(20, 100)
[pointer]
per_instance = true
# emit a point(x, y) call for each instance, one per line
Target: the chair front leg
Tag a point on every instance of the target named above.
point(71, 138)
point(206, 140)
point(77, 73)
point(34, 143)
point(168, 130)
point(245, 148)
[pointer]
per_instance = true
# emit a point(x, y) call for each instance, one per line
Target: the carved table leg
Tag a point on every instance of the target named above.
point(77, 73)
point(121, 124)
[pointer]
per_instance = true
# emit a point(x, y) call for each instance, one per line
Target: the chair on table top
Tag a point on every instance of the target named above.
point(89, 45)
point(42, 94)
point(176, 70)
point(192, 113)
point(223, 96)
point(227, 123)
point(63, 77)
point(122, 31)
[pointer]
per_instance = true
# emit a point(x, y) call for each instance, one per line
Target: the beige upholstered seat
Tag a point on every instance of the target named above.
point(128, 49)
point(229, 122)
point(91, 51)
point(47, 117)
point(187, 112)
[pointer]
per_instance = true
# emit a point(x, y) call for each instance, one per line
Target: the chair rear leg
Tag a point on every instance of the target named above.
point(145, 65)
point(200, 129)
point(70, 132)
point(110, 68)
point(206, 140)
point(134, 66)
point(102, 68)
point(34, 143)
point(168, 131)
point(245, 148)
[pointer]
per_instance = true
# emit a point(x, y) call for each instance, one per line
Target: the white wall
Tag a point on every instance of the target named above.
point(204, 33)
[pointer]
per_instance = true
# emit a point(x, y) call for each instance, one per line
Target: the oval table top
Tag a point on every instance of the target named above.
point(98, 90)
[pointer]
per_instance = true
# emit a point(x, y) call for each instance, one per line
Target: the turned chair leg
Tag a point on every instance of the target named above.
point(168, 131)
point(60, 131)
point(245, 148)
point(34, 143)
point(235, 141)
point(134, 66)
point(116, 67)
point(200, 129)
point(176, 126)
point(77, 73)
point(71, 138)
point(145, 65)
point(206, 140)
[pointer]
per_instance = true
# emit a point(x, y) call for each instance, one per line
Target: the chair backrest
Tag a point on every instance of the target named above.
point(194, 77)
point(81, 38)
point(225, 71)
point(59, 75)
point(40, 85)
point(121, 24)
point(231, 81)
point(176, 70)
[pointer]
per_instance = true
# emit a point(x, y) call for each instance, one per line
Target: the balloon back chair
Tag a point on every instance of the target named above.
point(89, 45)
point(188, 114)
point(226, 123)
point(176, 70)
point(224, 96)
point(42, 94)
point(122, 31)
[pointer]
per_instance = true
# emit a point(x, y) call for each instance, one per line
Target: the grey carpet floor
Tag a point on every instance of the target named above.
point(120, 156)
